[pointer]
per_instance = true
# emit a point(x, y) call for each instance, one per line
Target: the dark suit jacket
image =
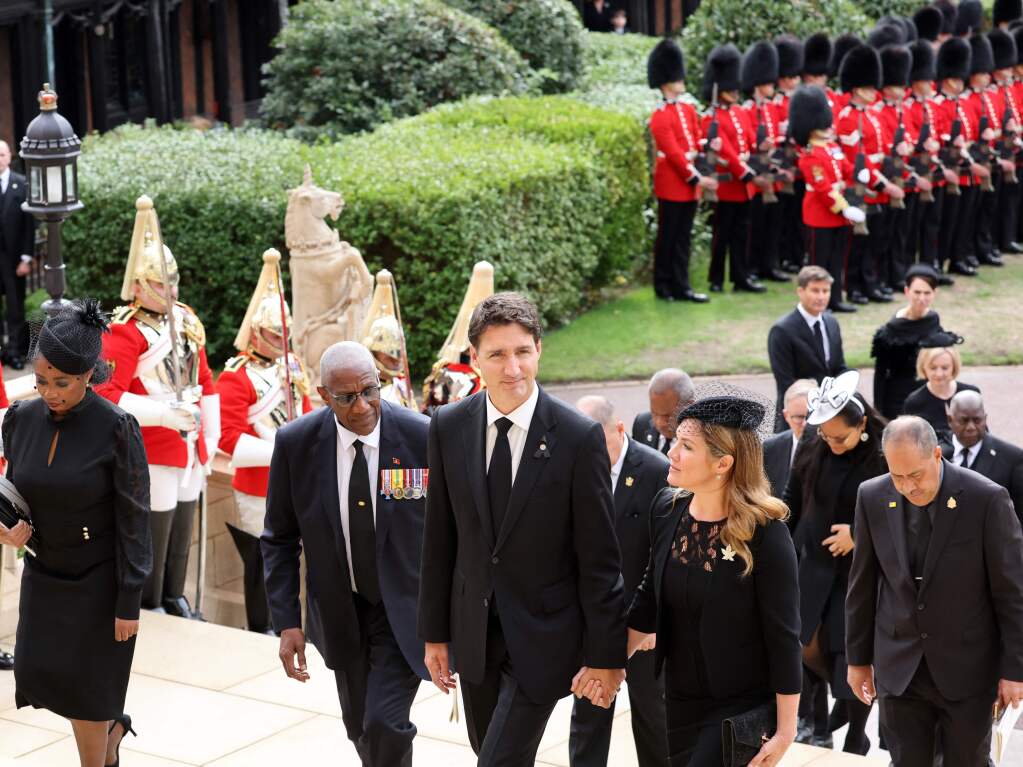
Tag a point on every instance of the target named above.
point(17, 228)
point(794, 354)
point(966, 618)
point(749, 628)
point(554, 566)
point(644, 474)
point(1002, 463)
point(778, 461)
point(644, 431)
point(303, 511)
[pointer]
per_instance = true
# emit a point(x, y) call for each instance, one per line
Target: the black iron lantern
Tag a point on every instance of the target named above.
point(50, 150)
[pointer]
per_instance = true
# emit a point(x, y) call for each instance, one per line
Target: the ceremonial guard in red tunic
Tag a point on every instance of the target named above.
point(791, 246)
point(384, 336)
point(156, 348)
point(987, 103)
point(260, 389)
point(453, 376)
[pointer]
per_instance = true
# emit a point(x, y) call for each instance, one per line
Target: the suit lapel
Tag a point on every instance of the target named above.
point(327, 452)
point(945, 516)
point(476, 462)
point(531, 465)
point(667, 533)
point(984, 461)
point(626, 481)
point(895, 514)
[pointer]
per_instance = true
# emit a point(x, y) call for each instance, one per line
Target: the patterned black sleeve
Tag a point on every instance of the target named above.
point(131, 510)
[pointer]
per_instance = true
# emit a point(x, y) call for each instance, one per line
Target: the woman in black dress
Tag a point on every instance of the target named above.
point(721, 590)
point(897, 343)
point(821, 494)
point(939, 366)
point(79, 463)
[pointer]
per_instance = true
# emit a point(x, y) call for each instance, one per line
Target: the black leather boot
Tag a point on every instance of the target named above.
point(257, 607)
point(160, 526)
point(174, 601)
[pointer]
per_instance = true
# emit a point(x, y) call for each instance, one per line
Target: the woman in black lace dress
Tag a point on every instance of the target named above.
point(720, 590)
point(897, 342)
point(79, 463)
point(844, 452)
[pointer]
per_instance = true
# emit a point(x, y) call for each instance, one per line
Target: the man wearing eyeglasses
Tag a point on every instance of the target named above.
point(348, 484)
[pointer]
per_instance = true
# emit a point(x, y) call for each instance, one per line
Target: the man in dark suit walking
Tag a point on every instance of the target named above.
point(348, 485)
point(934, 611)
point(521, 578)
point(806, 342)
point(670, 391)
point(17, 246)
point(780, 449)
point(637, 474)
point(974, 447)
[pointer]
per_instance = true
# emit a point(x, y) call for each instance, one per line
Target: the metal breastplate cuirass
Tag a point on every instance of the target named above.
point(159, 380)
point(267, 376)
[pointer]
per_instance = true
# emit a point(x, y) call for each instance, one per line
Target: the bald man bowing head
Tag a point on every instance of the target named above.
point(348, 484)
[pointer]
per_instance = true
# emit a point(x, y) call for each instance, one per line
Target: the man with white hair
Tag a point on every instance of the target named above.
point(780, 449)
point(348, 485)
point(671, 391)
point(934, 610)
point(638, 473)
point(17, 246)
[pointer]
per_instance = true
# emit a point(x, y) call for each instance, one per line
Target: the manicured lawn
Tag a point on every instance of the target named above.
point(634, 335)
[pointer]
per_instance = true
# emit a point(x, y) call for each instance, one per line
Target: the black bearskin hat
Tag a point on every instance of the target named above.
point(1004, 48)
point(722, 69)
point(886, 34)
point(982, 58)
point(953, 60)
point(808, 111)
point(843, 44)
point(923, 61)
point(790, 55)
point(816, 54)
point(928, 22)
point(896, 61)
point(861, 68)
point(968, 17)
point(665, 64)
point(910, 26)
point(949, 12)
point(759, 65)
point(1005, 11)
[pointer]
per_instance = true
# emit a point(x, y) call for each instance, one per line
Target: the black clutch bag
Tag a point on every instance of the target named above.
point(13, 510)
point(744, 734)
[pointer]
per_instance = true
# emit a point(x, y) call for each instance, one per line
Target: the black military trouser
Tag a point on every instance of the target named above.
point(963, 241)
point(828, 247)
point(791, 237)
point(929, 228)
point(870, 252)
point(765, 229)
point(672, 247)
point(987, 204)
point(1008, 214)
point(731, 237)
point(902, 253)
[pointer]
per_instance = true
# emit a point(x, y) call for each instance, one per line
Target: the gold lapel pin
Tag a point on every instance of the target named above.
point(951, 503)
point(892, 504)
point(629, 481)
point(994, 452)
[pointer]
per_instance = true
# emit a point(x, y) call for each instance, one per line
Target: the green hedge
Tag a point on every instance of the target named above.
point(613, 60)
point(548, 34)
point(348, 65)
point(425, 198)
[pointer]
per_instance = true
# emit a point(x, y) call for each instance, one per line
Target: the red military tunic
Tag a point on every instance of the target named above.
point(851, 121)
point(917, 112)
point(768, 113)
point(241, 408)
point(968, 114)
point(123, 347)
point(826, 170)
point(736, 134)
point(675, 128)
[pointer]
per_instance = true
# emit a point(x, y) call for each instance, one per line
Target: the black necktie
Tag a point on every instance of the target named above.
point(362, 529)
point(499, 475)
point(819, 335)
point(964, 458)
point(921, 542)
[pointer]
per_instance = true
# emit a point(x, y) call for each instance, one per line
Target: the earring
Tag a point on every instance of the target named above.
point(718, 476)
point(864, 436)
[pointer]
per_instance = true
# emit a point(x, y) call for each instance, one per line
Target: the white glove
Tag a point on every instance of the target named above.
point(149, 412)
point(251, 451)
point(863, 176)
point(3, 412)
point(209, 406)
point(265, 432)
point(855, 215)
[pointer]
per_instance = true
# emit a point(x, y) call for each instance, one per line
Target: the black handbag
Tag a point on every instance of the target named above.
point(14, 509)
point(743, 735)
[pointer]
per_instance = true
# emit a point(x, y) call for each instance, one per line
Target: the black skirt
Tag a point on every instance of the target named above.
point(66, 658)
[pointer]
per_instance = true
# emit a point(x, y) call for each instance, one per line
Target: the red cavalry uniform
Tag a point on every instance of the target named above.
point(851, 120)
point(826, 170)
point(675, 128)
point(133, 350)
point(252, 400)
point(737, 134)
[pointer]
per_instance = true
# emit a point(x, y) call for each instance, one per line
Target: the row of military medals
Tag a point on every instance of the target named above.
point(401, 484)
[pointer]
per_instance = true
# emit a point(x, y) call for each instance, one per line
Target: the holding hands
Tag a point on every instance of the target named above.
point(598, 685)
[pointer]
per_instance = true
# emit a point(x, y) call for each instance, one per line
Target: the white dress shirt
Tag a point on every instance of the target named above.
point(345, 459)
point(971, 452)
point(813, 319)
point(616, 470)
point(520, 417)
point(795, 444)
point(5, 180)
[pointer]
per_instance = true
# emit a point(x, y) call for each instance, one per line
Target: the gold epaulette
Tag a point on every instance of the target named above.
point(235, 364)
point(194, 329)
point(122, 314)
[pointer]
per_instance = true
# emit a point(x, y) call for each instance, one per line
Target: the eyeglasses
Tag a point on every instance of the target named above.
point(796, 418)
point(370, 394)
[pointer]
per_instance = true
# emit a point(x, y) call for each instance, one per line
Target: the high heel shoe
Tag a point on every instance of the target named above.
point(125, 721)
